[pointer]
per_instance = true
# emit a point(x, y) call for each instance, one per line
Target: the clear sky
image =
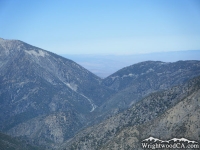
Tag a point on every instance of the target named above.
point(103, 26)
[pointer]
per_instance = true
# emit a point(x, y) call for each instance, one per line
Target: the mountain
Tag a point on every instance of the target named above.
point(105, 65)
point(45, 97)
point(181, 120)
point(168, 114)
point(134, 82)
point(9, 143)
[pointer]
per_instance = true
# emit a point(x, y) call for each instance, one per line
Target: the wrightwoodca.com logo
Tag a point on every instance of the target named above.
point(175, 143)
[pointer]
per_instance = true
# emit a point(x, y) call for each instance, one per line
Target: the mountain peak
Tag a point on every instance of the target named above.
point(8, 40)
point(48, 86)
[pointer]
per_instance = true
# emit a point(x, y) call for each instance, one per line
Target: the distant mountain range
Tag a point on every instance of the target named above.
point(105, 65)
point(52, 102)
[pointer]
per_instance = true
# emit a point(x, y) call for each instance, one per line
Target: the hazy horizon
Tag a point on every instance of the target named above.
point(105, 65)
point(103, 27)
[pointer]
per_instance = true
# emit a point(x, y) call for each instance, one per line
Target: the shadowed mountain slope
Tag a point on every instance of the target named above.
point(167, 114)
point(38, 87)
point(136, 81)
point(9, 143)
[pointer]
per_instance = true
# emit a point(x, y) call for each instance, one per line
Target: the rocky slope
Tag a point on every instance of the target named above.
point(167, 114)
point(136, 81)
point(9, 143)
point(45, 97)
point(182, 120)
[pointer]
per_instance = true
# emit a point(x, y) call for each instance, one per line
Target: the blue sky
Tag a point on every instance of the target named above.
point(103, 26)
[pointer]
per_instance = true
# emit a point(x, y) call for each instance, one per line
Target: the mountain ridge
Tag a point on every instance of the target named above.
point(105, 65)
point(127, 129)
point(46, 99)
point(38, 84)
point(134, 82)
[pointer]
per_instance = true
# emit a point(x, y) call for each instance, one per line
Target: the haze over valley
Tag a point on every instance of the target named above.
point(99, 75)
point(105, 65)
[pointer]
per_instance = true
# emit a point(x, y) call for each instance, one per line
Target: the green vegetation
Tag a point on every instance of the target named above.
point(9, 143)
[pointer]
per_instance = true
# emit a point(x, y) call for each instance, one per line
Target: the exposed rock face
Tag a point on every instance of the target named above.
point(43, 94)
point(166, 114)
